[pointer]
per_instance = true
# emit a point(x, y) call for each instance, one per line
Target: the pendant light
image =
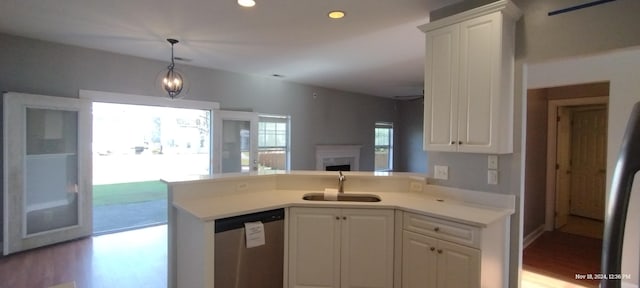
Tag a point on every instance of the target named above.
point(172, 81)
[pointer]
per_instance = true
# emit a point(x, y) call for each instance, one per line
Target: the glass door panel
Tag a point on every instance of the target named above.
point(236, 146)
point(237, 143)
point(51, 177)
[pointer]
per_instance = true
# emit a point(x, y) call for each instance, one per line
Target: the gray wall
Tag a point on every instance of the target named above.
point(535, 181)
point(330, 117)
point(540, 37)
point(409, 154)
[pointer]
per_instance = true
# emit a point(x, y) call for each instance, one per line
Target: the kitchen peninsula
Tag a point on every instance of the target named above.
point(414, 233)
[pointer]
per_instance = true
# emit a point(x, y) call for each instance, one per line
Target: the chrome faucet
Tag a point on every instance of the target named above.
point(341, 180)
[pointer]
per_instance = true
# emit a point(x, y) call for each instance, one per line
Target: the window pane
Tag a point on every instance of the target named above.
point(383, 146)
point(381, 159)
point(273, 147)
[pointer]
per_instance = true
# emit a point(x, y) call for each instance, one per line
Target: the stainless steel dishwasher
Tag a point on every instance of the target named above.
point(259, 267)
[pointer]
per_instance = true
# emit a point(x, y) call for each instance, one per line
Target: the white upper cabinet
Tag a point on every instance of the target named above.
point(469, 80)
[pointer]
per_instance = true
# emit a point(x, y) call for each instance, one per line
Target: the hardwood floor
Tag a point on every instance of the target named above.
point(562, 255)
point(136, 258)
point(583, 226)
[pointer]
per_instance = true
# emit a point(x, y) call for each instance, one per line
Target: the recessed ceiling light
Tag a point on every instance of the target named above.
point(336, 14)
point(246, 3)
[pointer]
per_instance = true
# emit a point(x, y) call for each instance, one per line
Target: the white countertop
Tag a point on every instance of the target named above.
point(233, 204)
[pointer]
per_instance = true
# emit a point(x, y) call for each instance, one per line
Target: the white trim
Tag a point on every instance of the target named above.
point(552, 106)
point(532, 236)
point(111, 97)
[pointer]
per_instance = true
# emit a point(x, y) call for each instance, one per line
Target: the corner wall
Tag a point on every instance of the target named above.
point(409, 154)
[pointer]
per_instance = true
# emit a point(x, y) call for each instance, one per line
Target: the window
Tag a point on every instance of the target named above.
point(384, 146)
point(273, 142)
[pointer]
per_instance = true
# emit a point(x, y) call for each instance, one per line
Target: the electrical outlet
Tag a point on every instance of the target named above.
point(492, 162)
point(492, 177)
point(441, 172)
point(415, 186)
point(242, 187)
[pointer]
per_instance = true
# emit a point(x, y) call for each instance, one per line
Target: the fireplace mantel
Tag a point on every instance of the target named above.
point(327, 155)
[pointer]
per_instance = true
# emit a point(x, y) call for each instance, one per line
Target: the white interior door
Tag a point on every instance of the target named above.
point(588, 162)
point(47, 170)
point(236, 136)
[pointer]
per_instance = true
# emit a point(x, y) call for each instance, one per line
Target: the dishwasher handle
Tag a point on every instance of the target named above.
point(237, 222)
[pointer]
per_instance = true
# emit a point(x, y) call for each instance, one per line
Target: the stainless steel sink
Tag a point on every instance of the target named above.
point(343, 197)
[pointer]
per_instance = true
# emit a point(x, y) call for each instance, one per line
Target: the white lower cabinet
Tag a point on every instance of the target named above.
point(439, 253)
point(341, 248)
point(429, 262)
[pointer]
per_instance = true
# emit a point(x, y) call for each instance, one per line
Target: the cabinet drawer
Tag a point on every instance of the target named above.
point(442, 229)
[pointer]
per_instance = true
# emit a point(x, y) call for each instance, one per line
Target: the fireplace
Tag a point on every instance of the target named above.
point(338, 157)
point(344, 167)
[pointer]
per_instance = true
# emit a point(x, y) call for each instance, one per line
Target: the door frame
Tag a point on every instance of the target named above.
point(550, 201)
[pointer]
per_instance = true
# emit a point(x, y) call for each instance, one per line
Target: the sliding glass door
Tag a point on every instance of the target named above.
point(134, 147)
point(47, 170)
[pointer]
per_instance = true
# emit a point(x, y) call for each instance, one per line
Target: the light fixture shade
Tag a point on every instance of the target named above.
point(247, 3)
point(172, 82)
point(336, 14)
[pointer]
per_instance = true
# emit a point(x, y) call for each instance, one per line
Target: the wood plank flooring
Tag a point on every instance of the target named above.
point(136, 258)
point(562, 255)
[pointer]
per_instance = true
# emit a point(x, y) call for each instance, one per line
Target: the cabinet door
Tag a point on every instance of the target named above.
point(418, 260)
point(458, 266)
point(367, 248)
point(479, 105)
point(441, 89)
point(314, 247)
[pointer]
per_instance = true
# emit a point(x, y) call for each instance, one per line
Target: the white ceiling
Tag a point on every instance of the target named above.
point(376, 49)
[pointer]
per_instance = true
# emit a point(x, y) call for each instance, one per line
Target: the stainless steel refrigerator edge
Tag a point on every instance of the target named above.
point(627, 166)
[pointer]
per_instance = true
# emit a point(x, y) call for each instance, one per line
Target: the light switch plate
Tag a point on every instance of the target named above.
point(492, 162)
point(492, 177)
point(441, 172)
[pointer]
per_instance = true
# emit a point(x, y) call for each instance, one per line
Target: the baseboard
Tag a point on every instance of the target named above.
point(532, 236)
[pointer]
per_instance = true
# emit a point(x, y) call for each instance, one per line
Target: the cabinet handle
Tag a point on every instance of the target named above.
point(453, 142)
point(439, 251)
point(344, 217)
point(436, 229)
point(337, 217)
point(432, 248)
point(459, 142)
